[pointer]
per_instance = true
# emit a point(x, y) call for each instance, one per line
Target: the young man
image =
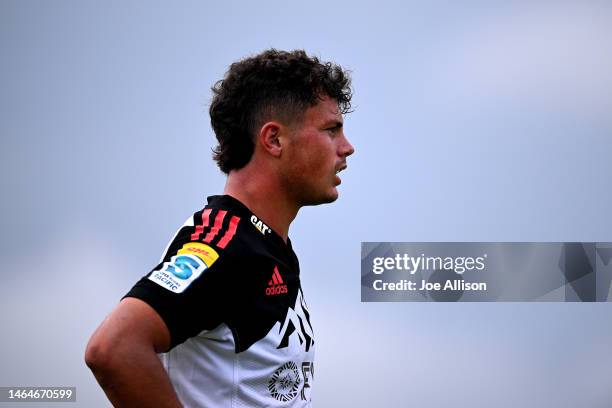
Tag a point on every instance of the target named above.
point(225, 305)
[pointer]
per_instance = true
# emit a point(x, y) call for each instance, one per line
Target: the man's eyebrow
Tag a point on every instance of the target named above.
point(336, 124)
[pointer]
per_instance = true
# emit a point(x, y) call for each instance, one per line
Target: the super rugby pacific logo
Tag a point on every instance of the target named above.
point(184, 267)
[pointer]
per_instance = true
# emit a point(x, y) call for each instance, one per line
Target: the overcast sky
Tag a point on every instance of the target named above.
point(473, 121)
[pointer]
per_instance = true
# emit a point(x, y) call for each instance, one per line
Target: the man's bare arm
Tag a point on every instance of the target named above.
point(122, 354)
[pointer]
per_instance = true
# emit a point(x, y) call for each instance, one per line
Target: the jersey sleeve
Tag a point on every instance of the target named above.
point(188, 287)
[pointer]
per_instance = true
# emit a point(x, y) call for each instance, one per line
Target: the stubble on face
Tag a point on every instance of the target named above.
point(312, 156)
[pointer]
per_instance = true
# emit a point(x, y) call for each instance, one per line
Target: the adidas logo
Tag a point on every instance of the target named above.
point(276, 286)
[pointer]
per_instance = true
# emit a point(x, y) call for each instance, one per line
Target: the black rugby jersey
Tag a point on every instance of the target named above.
point(228, 289)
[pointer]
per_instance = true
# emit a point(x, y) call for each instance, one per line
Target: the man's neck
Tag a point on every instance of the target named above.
point(264, 198)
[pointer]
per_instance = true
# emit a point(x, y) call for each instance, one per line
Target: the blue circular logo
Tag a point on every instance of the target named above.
point(183, 267)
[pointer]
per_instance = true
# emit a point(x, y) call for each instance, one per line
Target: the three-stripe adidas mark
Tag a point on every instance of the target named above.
point(276, 286)
point(217, 229)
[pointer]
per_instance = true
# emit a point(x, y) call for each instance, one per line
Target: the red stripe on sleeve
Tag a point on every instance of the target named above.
point(231, 231)
point(215, 229)
point(200, 228)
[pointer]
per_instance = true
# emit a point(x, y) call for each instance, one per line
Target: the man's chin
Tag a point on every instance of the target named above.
point(330, 197)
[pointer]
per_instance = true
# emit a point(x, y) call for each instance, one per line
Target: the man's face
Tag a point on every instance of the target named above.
point(314, 153)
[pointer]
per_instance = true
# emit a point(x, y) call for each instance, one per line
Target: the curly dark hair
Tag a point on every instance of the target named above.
point(274, 84)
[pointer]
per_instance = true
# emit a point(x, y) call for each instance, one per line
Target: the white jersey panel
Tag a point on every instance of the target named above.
point(206, 371)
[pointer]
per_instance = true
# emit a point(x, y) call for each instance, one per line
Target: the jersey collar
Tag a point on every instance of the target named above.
point(229, 202)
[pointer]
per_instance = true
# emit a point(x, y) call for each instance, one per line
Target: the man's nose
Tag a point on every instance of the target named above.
point(346, 149)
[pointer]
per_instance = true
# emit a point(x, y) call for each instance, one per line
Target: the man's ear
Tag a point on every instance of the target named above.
point(269, 138)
